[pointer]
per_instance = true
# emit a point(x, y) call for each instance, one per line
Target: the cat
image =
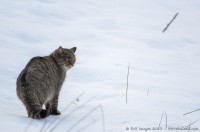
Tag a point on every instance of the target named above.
point(40, 82)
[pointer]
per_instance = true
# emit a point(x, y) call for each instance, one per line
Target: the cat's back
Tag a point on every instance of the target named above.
point(38, 71)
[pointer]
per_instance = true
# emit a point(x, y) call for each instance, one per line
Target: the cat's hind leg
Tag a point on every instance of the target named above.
point(34, 108)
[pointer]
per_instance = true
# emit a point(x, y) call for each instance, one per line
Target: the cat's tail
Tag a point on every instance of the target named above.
point(40, 114)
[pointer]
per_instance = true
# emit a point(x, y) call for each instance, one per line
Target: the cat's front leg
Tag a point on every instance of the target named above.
point(52, 106)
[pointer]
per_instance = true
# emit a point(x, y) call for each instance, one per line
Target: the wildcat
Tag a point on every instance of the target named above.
point(40, 82)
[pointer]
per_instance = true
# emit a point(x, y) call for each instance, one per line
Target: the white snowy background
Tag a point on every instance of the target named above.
point(164, 67)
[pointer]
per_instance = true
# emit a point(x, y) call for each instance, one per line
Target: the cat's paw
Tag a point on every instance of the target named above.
point(39, 114)
point(43, 113)
point(55, 112)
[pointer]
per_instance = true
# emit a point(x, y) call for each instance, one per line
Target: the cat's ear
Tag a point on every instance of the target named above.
point(60, 49)
point(73, 49)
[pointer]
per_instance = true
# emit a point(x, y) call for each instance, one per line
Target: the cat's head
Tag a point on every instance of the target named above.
point(65, 57)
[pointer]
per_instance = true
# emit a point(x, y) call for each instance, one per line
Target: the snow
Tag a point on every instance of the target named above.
point(109, 34)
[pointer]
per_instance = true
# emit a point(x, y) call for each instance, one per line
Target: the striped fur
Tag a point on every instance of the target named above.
point(40, 82)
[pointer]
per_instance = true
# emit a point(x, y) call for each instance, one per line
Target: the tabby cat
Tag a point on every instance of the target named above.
point(40, 82)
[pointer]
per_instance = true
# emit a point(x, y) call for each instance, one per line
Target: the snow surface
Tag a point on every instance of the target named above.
point(164, 67)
